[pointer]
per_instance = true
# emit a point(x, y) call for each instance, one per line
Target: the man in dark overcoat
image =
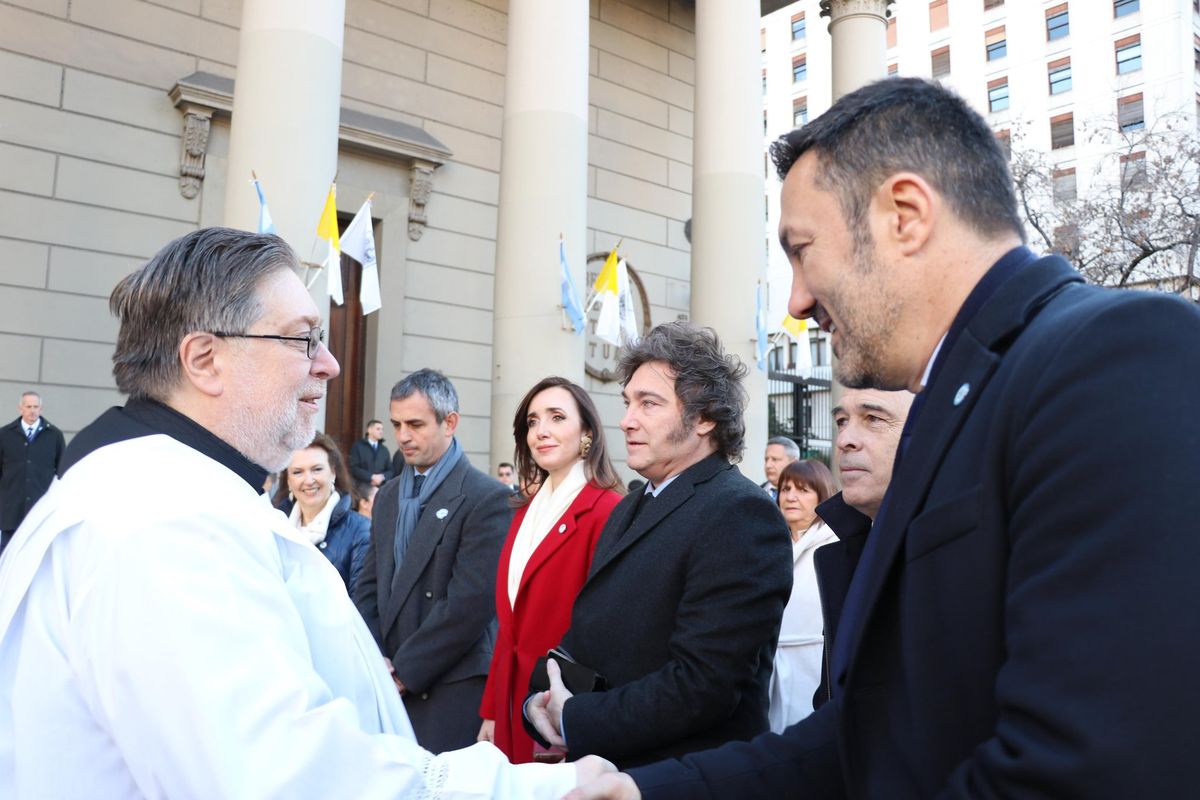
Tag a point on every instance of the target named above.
point(30, 450)
point(427, 586)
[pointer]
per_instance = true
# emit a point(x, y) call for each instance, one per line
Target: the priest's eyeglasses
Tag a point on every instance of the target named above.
point(312, 340)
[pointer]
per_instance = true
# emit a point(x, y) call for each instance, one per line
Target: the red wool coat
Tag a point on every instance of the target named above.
point(555, 572)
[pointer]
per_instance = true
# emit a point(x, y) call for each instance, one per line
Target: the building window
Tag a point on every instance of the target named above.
point(799, 111)
point(891, 32)
point(1133, 170)
point(988, 5)
point(893, 70)
point(799, 27)
point(1058, 24)
point(800, 68)
point(998, 94)
point(1130, 113)
point(995, 43)
point(1123, 7)
point(1060, 75)
point(939, 62)
point(939, 15)
point(1004, 137)
point(1062, 131)
point(1129, 54)
point(1064, 185)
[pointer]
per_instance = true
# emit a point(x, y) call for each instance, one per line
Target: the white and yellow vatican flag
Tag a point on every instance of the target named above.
point(617, 323)
point(327, 231)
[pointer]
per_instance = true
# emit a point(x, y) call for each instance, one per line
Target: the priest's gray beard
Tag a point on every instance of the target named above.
point(269, 434)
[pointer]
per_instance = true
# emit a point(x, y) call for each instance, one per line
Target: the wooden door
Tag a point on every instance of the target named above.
point(347, 336)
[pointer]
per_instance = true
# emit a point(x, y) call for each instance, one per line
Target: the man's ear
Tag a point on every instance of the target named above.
point(905, 208)
point(705, 426)
point(200, 365)
point(451, 422)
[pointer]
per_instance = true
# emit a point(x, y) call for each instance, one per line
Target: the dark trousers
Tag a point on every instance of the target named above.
point(5, 536)
point(447, 717)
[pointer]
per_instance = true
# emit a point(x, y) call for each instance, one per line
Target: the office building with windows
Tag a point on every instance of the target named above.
point(1052, 72)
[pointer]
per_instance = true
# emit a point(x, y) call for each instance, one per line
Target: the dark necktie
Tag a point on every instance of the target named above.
point(418, 481)
point(29, 434)
point(638, 510)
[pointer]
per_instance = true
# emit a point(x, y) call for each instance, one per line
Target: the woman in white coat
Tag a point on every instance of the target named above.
point(802, 486)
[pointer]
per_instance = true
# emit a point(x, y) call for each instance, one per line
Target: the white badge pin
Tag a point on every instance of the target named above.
point(441, 513)
point(562, 528)
point(961, 394)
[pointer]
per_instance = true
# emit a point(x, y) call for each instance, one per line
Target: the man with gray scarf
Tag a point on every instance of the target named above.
point(427, 585)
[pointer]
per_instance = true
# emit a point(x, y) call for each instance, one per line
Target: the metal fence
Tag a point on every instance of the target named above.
point(800, 408)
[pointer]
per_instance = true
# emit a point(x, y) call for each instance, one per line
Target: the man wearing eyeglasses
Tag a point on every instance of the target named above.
point(163, 631)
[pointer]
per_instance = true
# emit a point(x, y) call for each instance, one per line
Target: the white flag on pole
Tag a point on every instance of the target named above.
point(358, 242)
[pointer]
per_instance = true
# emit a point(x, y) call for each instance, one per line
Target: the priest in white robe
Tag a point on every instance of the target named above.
point(164, 633)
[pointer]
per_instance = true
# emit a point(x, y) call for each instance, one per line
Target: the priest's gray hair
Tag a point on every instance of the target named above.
point(436, 388)
point(204, 281)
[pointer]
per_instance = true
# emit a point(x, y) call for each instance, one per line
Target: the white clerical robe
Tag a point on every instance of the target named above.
point(165, 633)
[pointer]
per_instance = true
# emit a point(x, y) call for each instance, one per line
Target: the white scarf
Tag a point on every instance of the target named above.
point(315, 530)
point(545, 509)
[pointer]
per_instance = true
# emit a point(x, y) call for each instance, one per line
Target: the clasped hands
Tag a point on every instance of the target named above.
point(545, 709)
point(596, 778)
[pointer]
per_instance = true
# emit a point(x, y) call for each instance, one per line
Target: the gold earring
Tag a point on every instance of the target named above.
point(585, 445)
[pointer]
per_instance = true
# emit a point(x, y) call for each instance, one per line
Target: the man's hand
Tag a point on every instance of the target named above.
point(487, 731)
point(377, 479)
point(599, 780)
point(400, 687)
point(545, 708)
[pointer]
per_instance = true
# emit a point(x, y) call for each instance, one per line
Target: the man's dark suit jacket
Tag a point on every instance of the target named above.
point(436, 617)
point(366, 461)
point(680, 613)
point(1031, 628)
point(26, 468)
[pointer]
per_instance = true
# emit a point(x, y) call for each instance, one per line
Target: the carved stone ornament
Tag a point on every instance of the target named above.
point(419, 191)
point(840, 9)
point(196, 124)
point(203, 95)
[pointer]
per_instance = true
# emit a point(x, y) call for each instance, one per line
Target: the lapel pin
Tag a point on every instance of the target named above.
point(441, 513)
point(961, 394)
point(562, 528)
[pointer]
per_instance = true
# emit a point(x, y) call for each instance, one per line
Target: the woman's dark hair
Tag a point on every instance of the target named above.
point(807, 474)
point(341, 475)
point(596, 464)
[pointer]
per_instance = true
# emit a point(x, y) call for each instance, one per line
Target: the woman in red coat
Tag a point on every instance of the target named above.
point(569, 489)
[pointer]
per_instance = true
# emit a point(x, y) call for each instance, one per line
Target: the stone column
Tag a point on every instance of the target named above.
point(728, 194)
point(858, 29)
point(543, 194)
point(286, 104)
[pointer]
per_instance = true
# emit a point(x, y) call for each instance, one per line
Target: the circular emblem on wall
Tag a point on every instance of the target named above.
point(600, 359)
